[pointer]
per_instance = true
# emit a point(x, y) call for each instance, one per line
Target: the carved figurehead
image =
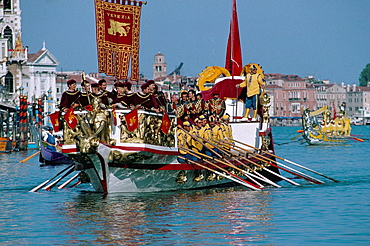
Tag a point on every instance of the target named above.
point(98, 120)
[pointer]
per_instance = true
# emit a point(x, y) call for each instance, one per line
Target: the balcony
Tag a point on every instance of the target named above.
point(294, 99)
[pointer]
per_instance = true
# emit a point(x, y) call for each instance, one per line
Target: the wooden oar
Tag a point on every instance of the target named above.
point(197, 155)
point(291, 162)
point(293, 171)
point(270, 162)
point(357, 139)
point(75, 184)
point(224, 150)
point(47, 181)
point(268, 170)
point(221, 174)
point(33, 155)
point(68, 181)
point(263, 178)
point(198, 138)
point(48, 187)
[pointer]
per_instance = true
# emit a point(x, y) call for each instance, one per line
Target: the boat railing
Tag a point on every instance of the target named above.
point(113, 127)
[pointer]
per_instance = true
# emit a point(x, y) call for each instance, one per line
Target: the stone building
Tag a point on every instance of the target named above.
point(290, 94)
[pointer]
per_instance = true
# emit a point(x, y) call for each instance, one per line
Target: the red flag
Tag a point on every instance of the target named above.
point(54, 118)
point(132, 120)
point(233, 53)
point(335, 112)
point(114, 116)
point(117, 34)
point(70, 118)
point(88, 107)
point(166, 123)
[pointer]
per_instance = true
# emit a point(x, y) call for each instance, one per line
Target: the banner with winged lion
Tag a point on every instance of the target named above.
point(117, 34)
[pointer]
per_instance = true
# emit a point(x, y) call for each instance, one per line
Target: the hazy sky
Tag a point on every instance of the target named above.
point(329, 39)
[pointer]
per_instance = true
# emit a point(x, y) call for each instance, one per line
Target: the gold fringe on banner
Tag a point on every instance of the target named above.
point(117, 34)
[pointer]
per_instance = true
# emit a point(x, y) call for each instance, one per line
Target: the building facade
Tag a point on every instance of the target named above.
point(32, 75)
point(159, 66)
point(290, 93)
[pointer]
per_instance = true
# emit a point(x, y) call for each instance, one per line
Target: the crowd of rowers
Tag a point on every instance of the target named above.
point(197, 119)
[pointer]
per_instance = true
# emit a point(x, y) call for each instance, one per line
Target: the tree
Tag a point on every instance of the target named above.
point(365, 76)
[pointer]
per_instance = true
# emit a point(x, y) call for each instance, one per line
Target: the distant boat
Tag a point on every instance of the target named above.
point(336, 130)
point(6, 145)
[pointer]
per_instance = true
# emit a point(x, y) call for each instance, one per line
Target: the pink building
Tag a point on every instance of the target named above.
point(289, 93)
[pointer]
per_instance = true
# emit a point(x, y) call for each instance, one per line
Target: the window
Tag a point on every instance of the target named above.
point(296, 108)
point(7, 4)
point(9, 35)
point(9, 82)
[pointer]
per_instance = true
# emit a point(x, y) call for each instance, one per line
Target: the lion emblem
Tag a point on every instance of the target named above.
point(118, 27)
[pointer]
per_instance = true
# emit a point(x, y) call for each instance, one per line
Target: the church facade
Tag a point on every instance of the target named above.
point(22, 73)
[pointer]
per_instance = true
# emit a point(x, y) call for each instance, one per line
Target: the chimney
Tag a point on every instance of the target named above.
point(354, 87)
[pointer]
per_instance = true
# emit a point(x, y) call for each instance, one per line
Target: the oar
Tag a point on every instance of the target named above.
point(224, 150)
point(221, 174)
point(357, 139)
point(270, 161)
point(290, 168)
point(47, 181)
point(196, 154)
point(68, 181)
point(268, 170)
point(294, 172)
point(197, 138)
point(291, 162)
point(33, 155)
point(75, 184)
point(48, 187)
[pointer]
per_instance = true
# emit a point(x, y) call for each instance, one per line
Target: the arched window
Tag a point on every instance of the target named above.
point(9, 82)
point(9, 35)
point(7, 4)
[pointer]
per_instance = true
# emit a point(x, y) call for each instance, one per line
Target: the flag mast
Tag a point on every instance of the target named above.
point(233, 51)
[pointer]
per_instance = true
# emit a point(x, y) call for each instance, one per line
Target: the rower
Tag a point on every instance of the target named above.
point(206, 133)
point(184, 141)
point(48, 138)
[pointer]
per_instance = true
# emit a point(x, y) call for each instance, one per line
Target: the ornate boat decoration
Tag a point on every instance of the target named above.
point(336, 130)
point(117, 159)
point(137, 150)
point(146, 159)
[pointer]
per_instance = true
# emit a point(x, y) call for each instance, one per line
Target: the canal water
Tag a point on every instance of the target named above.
point(310, 214)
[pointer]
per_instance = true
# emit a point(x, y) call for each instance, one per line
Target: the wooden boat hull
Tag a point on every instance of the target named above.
point(139, 167)
point(49, 157)
point(320, 139)
point(6, 145)
point(111, 177)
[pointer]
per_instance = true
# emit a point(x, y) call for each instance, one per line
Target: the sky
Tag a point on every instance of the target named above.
point(326, 39)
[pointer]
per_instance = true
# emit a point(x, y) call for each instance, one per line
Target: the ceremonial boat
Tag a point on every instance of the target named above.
point(336, 130)
point(124, 150)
